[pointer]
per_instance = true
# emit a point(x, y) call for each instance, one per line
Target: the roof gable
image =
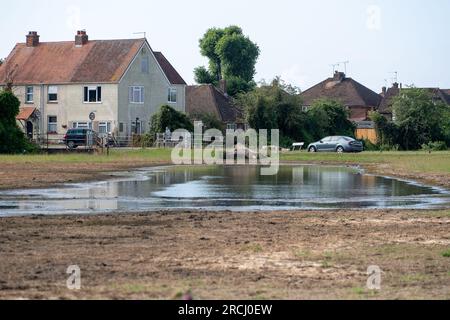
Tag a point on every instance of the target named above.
point(172, 75)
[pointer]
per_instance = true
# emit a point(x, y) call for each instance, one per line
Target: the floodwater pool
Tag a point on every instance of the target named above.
point(235, 188)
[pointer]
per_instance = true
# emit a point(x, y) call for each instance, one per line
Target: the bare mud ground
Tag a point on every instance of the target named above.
point(49, 174)
point(276, 255)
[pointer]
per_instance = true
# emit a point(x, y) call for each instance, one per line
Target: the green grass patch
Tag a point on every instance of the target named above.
point(413, 278)
point(255, 248)
point(116, 155)
point(446, 254)
point(418, 161)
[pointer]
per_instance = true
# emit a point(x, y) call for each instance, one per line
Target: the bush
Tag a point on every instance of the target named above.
point(168, 117)
point(12, 139)
point(369, 146)
point(434, 146)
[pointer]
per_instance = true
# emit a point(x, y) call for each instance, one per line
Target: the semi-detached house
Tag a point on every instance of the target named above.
point(60, 84)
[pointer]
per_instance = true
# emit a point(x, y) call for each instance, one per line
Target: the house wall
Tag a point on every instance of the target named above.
point(70, 106)
point(156, 88)
point(359, 113)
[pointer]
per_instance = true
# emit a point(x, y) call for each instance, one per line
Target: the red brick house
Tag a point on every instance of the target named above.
point(359, 99)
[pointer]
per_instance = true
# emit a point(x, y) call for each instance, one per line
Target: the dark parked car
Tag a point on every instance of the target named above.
point(80, 137)
point(336, 144)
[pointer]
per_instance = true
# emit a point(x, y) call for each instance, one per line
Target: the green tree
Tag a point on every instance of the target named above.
point(420, 118)
point(232, 56)
point(277, 106)
point(330, 118)
point(12, 139)
point(210, 120)
point(167, 117)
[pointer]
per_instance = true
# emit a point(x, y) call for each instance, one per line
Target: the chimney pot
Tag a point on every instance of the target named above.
point(81, 38)
point(32, 39)
point(339, 76)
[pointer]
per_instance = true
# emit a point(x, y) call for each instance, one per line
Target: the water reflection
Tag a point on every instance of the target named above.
point(238, 188)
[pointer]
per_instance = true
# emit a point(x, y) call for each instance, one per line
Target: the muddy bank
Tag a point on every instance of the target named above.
point(267, 255)
point(48, 174)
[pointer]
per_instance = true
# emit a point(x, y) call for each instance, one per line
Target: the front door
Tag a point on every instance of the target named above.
point(30, 130)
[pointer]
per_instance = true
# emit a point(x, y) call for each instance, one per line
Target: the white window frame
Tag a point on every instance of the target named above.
point(106, 125)
point(97, 89)
point(29, 94)
point(170, 91)
point(231, 126)
point(52, 90)
point(52, 124)
point(82, 125)
point(132, 90)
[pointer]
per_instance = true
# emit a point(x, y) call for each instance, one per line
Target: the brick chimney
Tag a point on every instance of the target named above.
point(81, 38)
point(223, 86)
point(339, 76)
point(32, 39)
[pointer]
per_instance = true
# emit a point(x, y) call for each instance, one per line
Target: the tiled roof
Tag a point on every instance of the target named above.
point(25, 113)
point(172, 74)
point(98, 61)
point(346, 90)
point(208, 99)
point(385, 106)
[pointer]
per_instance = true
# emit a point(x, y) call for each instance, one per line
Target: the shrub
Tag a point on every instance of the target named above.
point(434, 146)
point(168, 117)
point(12, 139)
point(369, 146)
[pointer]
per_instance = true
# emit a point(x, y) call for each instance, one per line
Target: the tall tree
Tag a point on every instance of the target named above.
point(232, 56)
point(420, 118)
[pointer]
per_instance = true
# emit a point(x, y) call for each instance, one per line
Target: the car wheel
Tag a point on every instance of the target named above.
point(71, 145)
point(340, 150)
point(312, 150)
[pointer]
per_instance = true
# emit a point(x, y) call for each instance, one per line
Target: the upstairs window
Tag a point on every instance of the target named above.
point(92, 94)
point(52, 94)
point(29, 94)
point(172, 95)
point(136, 94)
point(144, 65)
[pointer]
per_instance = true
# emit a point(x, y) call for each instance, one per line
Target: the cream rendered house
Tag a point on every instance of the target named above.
point(60, 84)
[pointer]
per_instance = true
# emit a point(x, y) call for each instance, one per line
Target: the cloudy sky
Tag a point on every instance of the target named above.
point(299, 39)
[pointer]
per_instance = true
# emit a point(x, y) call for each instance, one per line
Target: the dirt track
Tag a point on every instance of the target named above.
point(287, 255)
